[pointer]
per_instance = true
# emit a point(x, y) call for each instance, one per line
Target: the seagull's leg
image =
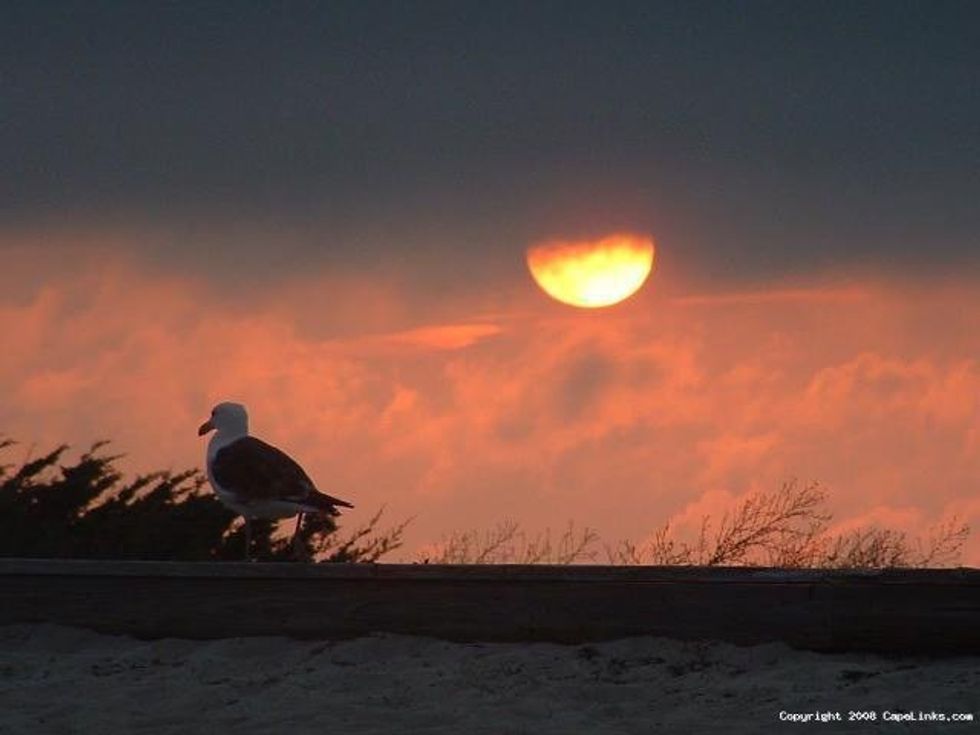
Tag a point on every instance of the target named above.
point(296, 535)
point(248, 538)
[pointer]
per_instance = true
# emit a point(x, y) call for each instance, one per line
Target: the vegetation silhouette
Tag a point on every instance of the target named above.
point(86, 509)
point(788, 528)
point(50, 508)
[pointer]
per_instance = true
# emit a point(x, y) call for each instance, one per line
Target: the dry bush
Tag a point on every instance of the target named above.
point(507, 543)
point(877, 548)
point(784, 527)
point(789, 528)
point(364, 544)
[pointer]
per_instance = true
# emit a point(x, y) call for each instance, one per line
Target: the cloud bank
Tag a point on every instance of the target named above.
point(664, 407)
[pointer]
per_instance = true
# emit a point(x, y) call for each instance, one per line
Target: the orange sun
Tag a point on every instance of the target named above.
point(594, 273)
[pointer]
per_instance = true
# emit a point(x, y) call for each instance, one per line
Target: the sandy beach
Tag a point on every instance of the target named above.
point(56, 679)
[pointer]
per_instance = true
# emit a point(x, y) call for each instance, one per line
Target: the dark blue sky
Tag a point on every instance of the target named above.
point(751, 138)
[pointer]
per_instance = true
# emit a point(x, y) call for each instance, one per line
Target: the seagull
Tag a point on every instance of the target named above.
point(255, 479)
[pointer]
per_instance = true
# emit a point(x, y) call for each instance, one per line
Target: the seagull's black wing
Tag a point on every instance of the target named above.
point(257, 471)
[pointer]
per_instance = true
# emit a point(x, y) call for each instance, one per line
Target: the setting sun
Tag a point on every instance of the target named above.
point(595, 273)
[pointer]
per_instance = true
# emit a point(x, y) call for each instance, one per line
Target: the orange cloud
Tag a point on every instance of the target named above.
point(438, 337)
point(618, 420)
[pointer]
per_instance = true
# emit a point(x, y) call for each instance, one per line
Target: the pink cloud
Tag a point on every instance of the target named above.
point(620, 420)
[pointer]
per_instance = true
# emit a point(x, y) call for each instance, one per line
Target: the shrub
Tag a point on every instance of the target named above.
point(85, 509)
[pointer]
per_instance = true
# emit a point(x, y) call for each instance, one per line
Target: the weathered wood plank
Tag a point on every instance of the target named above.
point(583, 572)
point(894, 611)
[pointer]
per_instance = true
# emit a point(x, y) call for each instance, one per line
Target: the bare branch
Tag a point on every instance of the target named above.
point(788, 528)
point(507, 543)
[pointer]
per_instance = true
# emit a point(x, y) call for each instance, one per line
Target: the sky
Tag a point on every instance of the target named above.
point(322, 210)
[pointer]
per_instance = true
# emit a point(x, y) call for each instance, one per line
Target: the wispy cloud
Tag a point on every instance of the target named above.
point(843, 294)
point(440, 337)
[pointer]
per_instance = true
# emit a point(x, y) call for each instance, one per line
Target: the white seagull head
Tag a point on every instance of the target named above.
point(227, 418)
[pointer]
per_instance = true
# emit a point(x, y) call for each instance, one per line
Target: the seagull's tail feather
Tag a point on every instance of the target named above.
point(326, 503)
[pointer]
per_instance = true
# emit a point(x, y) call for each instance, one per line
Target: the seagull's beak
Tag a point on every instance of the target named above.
point(205, 428)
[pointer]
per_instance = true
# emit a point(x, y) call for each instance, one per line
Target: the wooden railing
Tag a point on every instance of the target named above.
point(893, 611)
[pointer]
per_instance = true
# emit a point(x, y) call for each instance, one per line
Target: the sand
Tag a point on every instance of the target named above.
point(62, 680)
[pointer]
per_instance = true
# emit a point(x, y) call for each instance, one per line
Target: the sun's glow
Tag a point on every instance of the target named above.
point(593, 273)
